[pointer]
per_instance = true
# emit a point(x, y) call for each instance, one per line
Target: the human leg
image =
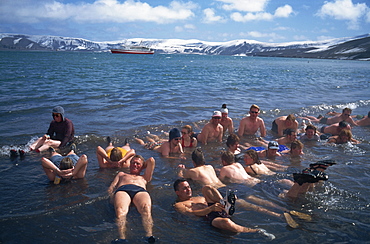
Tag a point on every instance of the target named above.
point(140, 141)
point(143, 204)
point(211, 194)
point(49, 143)
point(122, 203)
point(249, 206)
point(229, 225)
point(80, 167)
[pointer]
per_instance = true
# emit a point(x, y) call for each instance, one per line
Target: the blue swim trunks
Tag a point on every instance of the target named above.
point(130, 189)
point(57, 158)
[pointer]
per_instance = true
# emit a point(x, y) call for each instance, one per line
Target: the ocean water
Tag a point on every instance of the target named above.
point(126, 95)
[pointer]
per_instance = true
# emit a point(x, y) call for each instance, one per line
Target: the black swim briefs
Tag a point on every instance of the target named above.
point(131, 190)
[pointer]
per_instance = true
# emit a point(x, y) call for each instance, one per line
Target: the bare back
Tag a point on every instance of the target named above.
point(205, 175)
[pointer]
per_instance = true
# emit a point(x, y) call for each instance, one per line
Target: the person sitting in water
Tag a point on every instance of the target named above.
point(334, 129)
point(364, 121)
point(209, 206)
point(226, 121)
point(232, 144)
point(290, 136)
point(280, 124)
point(188, 140)
point(296, 149)
point(201, 173)
point(271, 152)
point(254, 166)
point(60, 133)
point(55, 166)
point(310, 134)
point(344, 116)
point(114, 157)
point(251, 124)
point(212, 131)
point(345, 136)
point(166, 148)
point(233, 172)
point(128, 188)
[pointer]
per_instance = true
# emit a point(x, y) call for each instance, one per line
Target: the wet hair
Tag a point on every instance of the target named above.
point(311, 127)
point(254, 155)
point(296, 144)
point(346, 132)
point(254, 106)
point(343, 124)
point(177, 183)
point(228, 157)
point(115, 154)
point(290, 117)
point(347, 109)
point(198, 157)
point(66, 163)
point(189, 129)
point(368, 114)
point(232, 139)
point(288, 132)
point(224, 105)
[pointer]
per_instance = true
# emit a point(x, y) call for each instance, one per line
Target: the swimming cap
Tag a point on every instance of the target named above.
point(174, 133)
point(216, 114)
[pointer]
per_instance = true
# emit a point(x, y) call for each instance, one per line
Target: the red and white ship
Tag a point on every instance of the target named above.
point(133, 50)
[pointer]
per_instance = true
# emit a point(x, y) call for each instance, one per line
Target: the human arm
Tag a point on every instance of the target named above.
point(113, 185)
point(54, 170)
point(183, 172)
point(184, 209)
point(241, 128)
point(123, 162)
point(262, 128)
point(68, 133)
point(231, 126)
point(102, 156)
point(221, 128)
point(149, 169)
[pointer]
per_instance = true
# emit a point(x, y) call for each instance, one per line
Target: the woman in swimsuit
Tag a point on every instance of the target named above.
point(253, 164)
point(187, 139)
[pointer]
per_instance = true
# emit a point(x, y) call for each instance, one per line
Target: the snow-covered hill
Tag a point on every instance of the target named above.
point(340, 48)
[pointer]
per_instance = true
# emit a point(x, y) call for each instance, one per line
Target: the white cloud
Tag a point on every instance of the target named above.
point(210, 16)
point(244, 5)
point(256, 34)
point(101, 11)
point(344, 10)
point(281, 12)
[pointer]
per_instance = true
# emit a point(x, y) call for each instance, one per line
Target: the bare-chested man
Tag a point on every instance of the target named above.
point(210, 207)
point(291, 136)
point(226, 121)
point(233, 172)
point(204, 174)
point(127, 188)
point(335, 129)
point(280, 124)
point(165, 147)
point(344, 116)
point(250, 124)
point(365, 121)
point(212, 131)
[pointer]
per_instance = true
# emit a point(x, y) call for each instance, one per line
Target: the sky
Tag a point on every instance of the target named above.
point(273, 21)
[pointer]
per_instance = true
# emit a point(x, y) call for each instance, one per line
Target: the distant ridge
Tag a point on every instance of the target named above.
point(354, 48)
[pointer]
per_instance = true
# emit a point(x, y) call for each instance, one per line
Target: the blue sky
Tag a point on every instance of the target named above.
point(207, 20)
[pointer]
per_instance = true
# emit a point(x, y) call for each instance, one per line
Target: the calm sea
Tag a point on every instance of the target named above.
point(126, 95)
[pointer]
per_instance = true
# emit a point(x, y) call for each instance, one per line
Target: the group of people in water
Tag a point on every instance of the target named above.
point(130, 188)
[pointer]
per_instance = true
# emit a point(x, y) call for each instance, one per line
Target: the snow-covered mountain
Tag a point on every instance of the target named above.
point(341, 48)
